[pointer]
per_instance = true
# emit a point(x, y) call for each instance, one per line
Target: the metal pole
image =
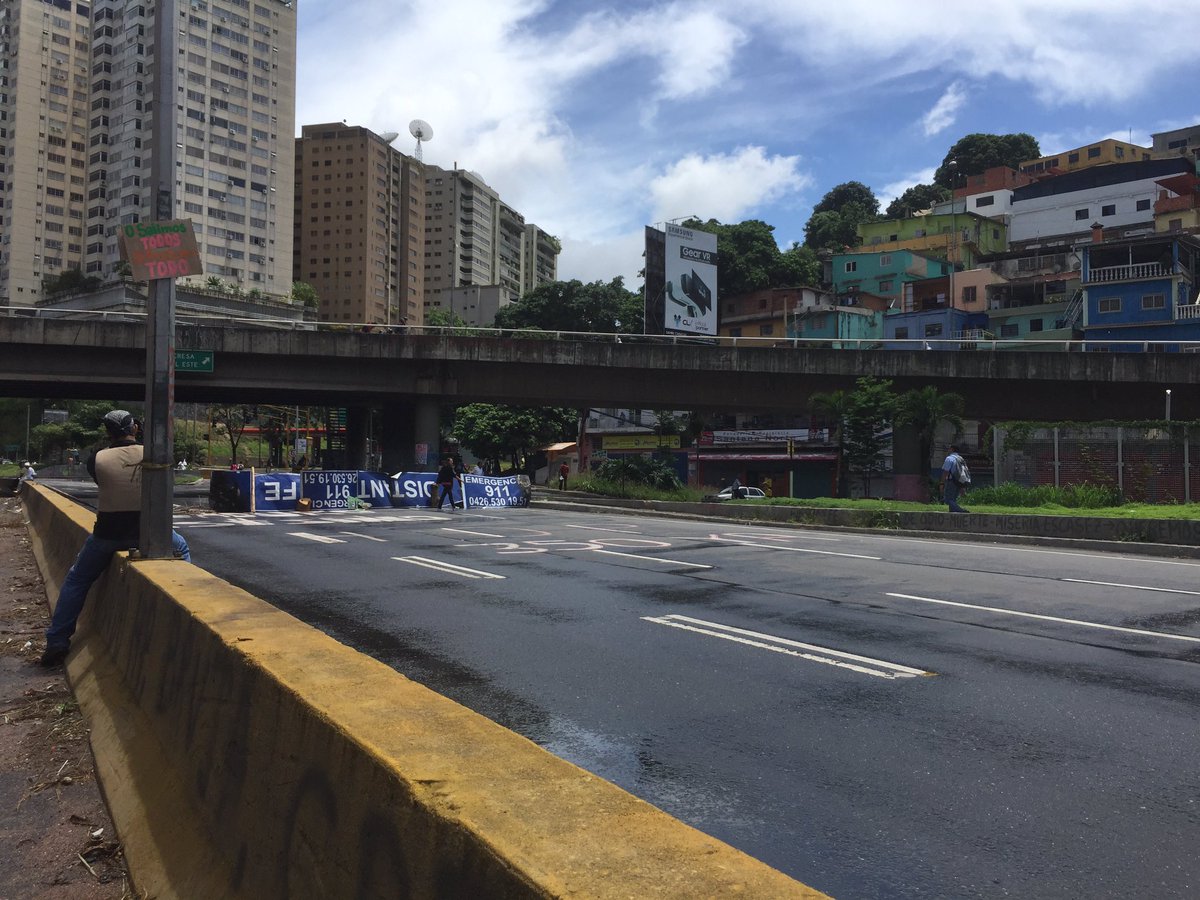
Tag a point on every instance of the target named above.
point(157, 472)
point(1057, 461)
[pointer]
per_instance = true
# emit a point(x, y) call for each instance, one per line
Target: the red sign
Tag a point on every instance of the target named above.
point(157, 250)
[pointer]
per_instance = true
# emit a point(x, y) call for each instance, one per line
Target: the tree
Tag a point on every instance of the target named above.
point(923, 409)
point(439, 317)
point(976, 153)
point(919, 196)
point(83, 430)
point(232, 420)
point(304, 294)
point(750, 258)
point(871, 409)
point(575, 306)
point(835, 220)
point(834, 408)
point(511, 432)
point(214, 283)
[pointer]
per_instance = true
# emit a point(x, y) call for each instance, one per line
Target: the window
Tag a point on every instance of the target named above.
point(1035, 324)
point(885, 259)
point(1010, 329)
point(766, 330)
point(1154, 301)
point(933, 329)
point(985, 201)
point(735, 332)
point(1175, 225)
point(1093, 152)
point(1109, 209)
point(852, 266)
point(969, 293)
point(1082, 214)
point(886, 285)
point(1143, 205)
point(1120, 152)
point(1072, 158)
point(1109, 305)
point(902, 334)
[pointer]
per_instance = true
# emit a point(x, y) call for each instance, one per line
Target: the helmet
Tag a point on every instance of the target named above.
point(119, 423)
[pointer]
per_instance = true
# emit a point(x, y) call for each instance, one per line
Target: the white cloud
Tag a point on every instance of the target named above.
point(890, 192)
point(724, 186)
point(945, 111)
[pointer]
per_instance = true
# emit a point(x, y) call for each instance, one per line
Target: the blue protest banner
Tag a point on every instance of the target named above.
point(374, 489)
point(230, 491)
point(412, 488)
point(276, 490)
point(483, 491)
point(331, 490)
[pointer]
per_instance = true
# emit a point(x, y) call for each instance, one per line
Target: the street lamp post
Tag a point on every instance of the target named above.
point(1168, 404)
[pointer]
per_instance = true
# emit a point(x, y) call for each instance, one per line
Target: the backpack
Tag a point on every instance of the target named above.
point(961, 473)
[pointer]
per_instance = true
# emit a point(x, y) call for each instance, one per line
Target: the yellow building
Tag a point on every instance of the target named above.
point(1101, 153)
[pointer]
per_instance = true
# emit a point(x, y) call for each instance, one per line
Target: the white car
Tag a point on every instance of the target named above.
point(748, 493)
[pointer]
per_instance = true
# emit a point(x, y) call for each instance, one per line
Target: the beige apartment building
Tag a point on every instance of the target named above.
point(44, 98)
point(359, 225)
point(473, 238)
point(236, 79)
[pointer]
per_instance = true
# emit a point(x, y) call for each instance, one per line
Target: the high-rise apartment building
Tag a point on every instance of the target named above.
point(235, 121)
point(359, 225)
point(472, 238)
point(44, 100)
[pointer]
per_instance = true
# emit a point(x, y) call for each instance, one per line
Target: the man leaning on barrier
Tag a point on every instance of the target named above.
point(117, 469)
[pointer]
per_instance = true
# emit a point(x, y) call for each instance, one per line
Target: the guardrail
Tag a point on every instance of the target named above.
point(793, 343)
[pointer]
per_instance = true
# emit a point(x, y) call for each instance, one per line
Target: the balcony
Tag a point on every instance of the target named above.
point(1189, 313)
point(1175, 204)
point(1135, 272)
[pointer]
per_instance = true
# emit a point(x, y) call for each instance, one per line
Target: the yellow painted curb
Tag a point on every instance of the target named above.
point(247, 754)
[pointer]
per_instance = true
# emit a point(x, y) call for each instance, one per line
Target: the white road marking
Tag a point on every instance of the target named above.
point(449, 568)
point(475, 533)
point(319, 538)
point(717, 537)
point(841, 659)
point(668, 562)
point(785, 537)
point(365, 537)
point(1136, 587)
point(1008, 548)
point(597, 528)
point(1027, 615)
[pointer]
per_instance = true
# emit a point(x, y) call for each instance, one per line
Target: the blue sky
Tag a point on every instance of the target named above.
point(596, 119)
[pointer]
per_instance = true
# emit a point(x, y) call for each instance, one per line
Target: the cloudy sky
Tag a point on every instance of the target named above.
point(596, 119)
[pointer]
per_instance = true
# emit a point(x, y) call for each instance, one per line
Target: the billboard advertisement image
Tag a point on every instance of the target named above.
point(690, 295)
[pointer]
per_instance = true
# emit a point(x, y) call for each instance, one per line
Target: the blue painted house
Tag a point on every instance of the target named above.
point(882, 273)
point(1141, 289)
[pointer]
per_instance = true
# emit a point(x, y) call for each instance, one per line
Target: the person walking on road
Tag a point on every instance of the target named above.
point(445, 482)
point(563, 471)
point(117, 470)
point(950, 486)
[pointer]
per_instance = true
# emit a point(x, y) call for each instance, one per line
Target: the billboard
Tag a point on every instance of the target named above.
point(690, 294)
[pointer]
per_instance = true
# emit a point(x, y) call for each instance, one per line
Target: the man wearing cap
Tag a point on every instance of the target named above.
point(117, 469)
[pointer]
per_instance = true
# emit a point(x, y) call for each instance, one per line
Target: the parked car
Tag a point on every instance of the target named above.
point(748, 493)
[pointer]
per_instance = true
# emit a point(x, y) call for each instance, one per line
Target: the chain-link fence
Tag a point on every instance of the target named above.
point(1151, 465)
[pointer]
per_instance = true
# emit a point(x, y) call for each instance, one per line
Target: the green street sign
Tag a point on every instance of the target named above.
point(194, 360)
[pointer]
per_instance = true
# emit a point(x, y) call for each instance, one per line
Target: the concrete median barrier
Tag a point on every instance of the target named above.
point(246, 754)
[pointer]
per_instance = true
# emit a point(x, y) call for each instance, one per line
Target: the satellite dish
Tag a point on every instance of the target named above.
point(422, 131)
point(388, 136)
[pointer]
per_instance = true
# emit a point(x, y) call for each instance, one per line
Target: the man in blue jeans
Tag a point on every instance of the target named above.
point(949, 484)
point(117, 469)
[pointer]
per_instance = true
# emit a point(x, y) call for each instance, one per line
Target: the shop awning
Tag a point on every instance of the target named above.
point(766, 457)
point(556, 448)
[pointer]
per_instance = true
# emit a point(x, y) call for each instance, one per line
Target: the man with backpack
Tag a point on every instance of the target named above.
point(955, 477)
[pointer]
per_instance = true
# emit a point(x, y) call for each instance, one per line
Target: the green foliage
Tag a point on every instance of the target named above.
point(1072, 496)
point(643, 470)
point(923, 409)
point(750, 258)
point(69, 281)
point(593, 484)
point(440, 317)
point(510, 432)
point(835, 219)
point(575, 306)
point(83, 430)
point(976, 153)
point(231, 421)
point(919, 196)
point(214, 283)
point(304, 294)
point(871, 408)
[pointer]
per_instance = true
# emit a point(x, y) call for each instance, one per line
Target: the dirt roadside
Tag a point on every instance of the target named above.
point(56, 838)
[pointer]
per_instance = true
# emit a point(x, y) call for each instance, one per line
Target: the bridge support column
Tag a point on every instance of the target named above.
point(429, 432)
point(357, 418)
point(397, 437)
point(910, 473)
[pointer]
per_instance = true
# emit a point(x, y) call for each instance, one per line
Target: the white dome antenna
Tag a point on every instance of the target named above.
point(422, 131)
point(388, 136)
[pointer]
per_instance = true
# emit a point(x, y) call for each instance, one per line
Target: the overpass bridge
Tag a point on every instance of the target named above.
point(92, 358)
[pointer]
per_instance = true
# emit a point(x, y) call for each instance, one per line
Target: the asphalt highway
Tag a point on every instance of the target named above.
point(876, 715)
